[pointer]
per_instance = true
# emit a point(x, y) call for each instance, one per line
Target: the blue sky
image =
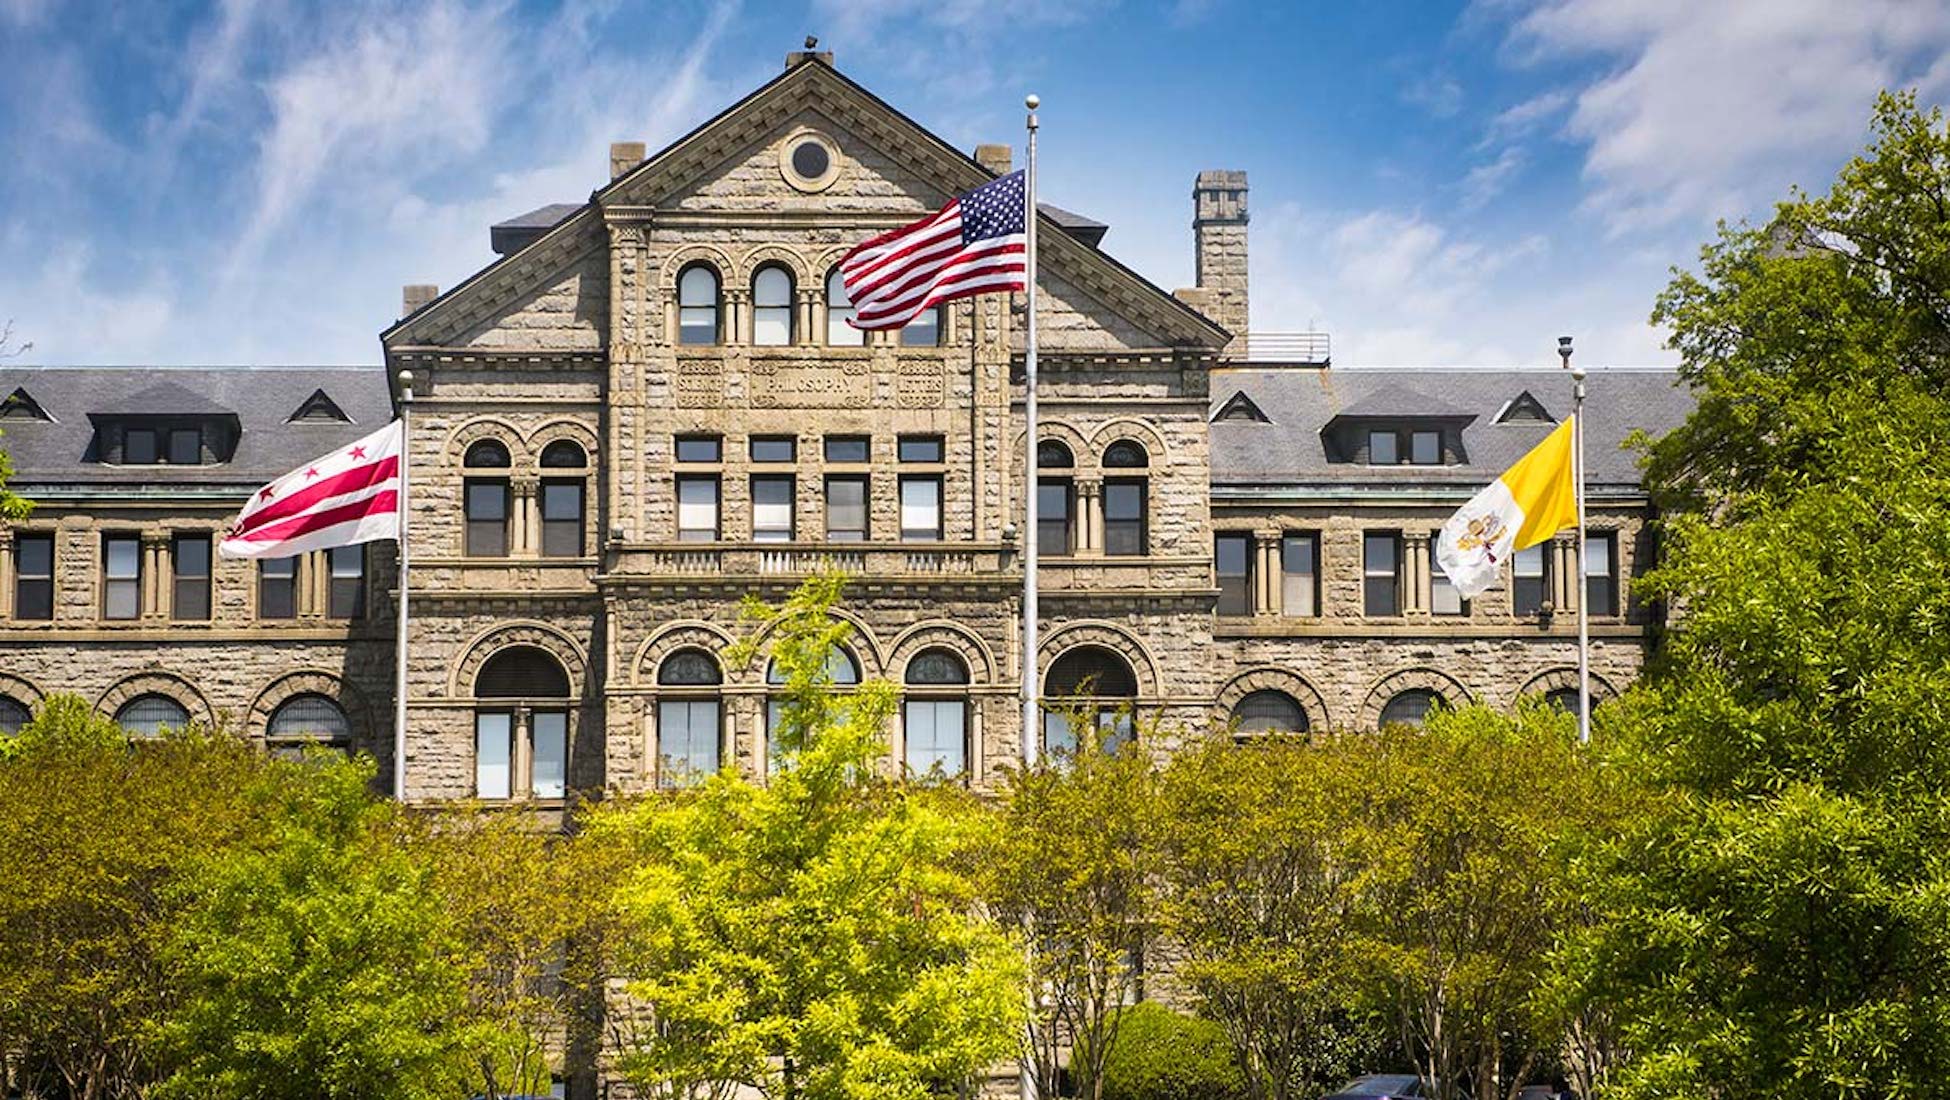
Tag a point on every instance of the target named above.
point(251, 181)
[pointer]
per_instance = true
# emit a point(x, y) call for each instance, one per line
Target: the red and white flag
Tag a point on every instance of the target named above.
point(349, 496)
point(973, 245)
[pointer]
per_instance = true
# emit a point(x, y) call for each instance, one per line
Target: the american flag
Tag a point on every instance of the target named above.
point(349, 496)
point(973, 245)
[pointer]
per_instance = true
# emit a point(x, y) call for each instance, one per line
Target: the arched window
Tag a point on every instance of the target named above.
point(839, 310)
point(1088, 684)
point(150, 714)
point(487, 501)
point(1126, 500)
point(1566, 700)
point(1409, 708)
point(842, 671)
point(923, 331)
point(564, 454)
point(1056, 500)
point(1268, 712)
point(772, 307)
point(564, 500)
point(699, 305)
point(308, 718)
point(13, 715)
point(530, 690)
point(934, 717)
point(690, 726)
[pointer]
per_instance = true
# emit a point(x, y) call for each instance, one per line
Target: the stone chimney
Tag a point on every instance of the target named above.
point(414, 296)
point(623, 156)
point(1219, 245)
point(995, 158)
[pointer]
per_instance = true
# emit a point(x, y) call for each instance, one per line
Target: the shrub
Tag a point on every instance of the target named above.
point(1158, 1054)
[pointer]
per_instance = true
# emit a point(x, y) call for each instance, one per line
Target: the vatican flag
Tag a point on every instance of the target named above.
point(1533, 500)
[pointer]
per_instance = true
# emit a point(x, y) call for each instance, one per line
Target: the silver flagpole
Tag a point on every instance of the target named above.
point(1583, 586)
point(399, 643)
point(1031, 725)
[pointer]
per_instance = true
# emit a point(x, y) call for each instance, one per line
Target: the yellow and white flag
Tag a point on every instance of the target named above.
point(1533, 500)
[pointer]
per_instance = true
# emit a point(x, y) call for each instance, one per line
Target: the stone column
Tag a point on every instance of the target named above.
point(1415, 574)
point(526, 516)
point(155, 575)
point(1266, 573)
point(1090, 517)
point(804, 332)
point(521, 761)
point(1566, 591)
point(737, 321)
point(6, 574)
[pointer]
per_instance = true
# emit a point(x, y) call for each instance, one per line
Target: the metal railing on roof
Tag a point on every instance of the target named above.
point(1285, 347)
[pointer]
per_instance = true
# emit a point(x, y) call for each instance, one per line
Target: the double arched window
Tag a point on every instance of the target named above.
point(772, 310)
point(1056, 499)
point(700, 305)
point(148, 715)
point(521, 725)
point(1127, 491)
point(923, 331)
point(487, 501)
point(839, 311)
point(934, 717)
point(690, 717)
point(307, 719)
point(1268, 711)
point(1091, 686)
point(841, 672)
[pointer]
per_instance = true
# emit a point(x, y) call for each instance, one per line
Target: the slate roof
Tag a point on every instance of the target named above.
point(523, 229)
point(260, 397)
point(1299, 402)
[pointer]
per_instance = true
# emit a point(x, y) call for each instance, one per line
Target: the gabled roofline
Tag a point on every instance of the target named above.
point(807, 65)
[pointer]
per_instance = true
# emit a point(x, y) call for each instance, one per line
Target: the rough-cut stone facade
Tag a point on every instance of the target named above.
point(576, 338)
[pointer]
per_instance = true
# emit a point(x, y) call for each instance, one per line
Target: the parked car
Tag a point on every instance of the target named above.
point(1384, 1086)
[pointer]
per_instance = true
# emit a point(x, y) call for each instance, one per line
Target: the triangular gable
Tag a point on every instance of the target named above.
point(940, 169)
point(1524, 409)
point(20, 405)
point(1241, 407)
point(320, 408)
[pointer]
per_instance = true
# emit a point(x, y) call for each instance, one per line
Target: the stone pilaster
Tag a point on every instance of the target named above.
point(525, 541)
point(155, 575)
point(1415, 577)
point(1090, 517)
point(1266, 572)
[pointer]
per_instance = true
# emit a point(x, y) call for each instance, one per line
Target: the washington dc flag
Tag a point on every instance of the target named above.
point(1533, 500)
point(349, 496)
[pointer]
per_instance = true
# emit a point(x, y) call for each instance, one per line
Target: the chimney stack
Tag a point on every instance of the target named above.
point(623, 156)
point(995, 158)
point(414, 296)
point(1219, 244)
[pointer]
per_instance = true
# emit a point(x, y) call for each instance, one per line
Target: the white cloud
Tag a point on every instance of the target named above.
point(1523, 119)
point(1712, 109)
point(1436, 93)
point(1485, 182)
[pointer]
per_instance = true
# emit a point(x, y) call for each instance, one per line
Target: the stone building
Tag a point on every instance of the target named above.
point(650, 406)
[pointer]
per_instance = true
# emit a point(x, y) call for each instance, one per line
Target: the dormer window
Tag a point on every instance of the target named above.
point(20, 405)
point(1413, 446)
point(319, 408)
point(162, 441)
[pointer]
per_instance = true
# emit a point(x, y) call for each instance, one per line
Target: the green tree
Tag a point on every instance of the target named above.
point(1074, 866)
point(1261, 906)
point(94, 833)
point(816, 936)
point(1159, 1054)
point(519, 903)
point(1464, 829)
point(1778, 928)
point(314, 957)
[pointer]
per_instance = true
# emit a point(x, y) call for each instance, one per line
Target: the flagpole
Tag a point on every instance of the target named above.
point(1031, 725)
point(1583, 585)
point(1031, 732)
point(399, 643)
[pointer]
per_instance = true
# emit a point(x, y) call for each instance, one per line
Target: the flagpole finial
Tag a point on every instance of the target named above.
point(406, 385)
point(1577, 374)
point(1032, 101)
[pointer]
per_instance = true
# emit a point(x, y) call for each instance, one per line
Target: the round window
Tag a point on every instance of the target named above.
point(809, 160)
